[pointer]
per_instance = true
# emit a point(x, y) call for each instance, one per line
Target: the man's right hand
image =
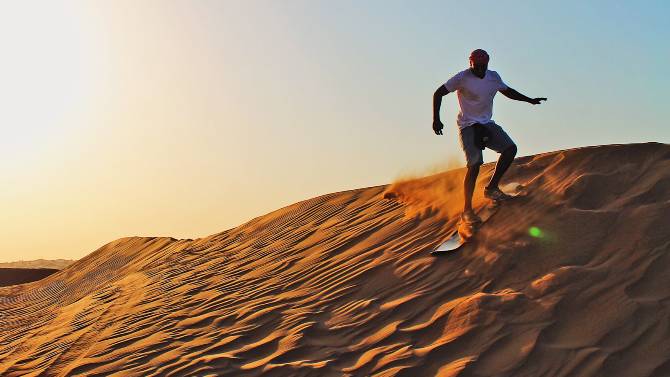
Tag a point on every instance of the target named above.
point(437, 127)
point(536, 101)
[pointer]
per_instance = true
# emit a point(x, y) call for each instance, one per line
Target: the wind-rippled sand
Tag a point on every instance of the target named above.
point(343, 284)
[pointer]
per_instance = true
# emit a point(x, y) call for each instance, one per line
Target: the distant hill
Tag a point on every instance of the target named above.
point(56, 264)
point(13, 276)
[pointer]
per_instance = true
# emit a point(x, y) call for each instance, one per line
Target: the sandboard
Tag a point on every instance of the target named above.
point(465, 232)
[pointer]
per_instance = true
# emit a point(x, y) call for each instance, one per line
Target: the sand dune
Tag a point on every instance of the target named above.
point(343, 284)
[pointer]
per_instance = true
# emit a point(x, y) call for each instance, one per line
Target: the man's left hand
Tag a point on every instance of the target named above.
point(536, 101)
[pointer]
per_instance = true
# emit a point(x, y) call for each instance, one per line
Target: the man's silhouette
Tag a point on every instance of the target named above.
point(475, 88)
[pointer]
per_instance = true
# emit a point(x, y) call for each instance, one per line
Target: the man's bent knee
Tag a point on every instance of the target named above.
point(475, 165)
point(511, 149)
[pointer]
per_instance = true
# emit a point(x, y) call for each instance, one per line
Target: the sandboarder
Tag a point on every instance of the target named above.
point(475, 88)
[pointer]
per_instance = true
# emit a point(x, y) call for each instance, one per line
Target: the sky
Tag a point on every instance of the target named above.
point(187, 118)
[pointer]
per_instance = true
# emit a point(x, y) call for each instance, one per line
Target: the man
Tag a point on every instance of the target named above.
point(475, 88)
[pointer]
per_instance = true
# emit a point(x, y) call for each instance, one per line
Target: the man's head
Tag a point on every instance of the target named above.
point(479, 61)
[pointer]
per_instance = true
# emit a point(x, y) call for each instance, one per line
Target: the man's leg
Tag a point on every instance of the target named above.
point(500, 142)
point(504, 161)
point(469, 186)
point(473, 158)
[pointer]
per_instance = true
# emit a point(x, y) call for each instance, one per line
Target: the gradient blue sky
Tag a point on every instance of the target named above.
point(185, 118)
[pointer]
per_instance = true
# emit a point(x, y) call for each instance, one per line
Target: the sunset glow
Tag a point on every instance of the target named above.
point(183, 119)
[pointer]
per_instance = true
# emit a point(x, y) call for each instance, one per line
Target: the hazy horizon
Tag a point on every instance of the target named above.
point(183, 119)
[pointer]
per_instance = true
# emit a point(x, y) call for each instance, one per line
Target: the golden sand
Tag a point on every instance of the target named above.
point(572, 280)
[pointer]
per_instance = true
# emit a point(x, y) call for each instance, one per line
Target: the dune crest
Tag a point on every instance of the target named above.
point(343, 284)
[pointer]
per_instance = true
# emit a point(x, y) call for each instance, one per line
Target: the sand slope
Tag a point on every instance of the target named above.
point(343, 284)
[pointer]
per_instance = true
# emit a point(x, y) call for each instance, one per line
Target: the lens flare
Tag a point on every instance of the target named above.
point(535, 232)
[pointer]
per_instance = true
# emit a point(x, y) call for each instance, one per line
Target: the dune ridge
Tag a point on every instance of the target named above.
point(343, 284)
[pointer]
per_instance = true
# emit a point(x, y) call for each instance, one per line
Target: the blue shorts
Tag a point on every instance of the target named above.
point(498, 141)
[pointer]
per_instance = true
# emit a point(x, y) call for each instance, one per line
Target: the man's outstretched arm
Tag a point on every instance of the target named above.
point(437, 102)
point(513, 94)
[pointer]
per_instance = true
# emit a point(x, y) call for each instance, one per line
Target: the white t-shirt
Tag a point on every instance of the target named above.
point(475, 96)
